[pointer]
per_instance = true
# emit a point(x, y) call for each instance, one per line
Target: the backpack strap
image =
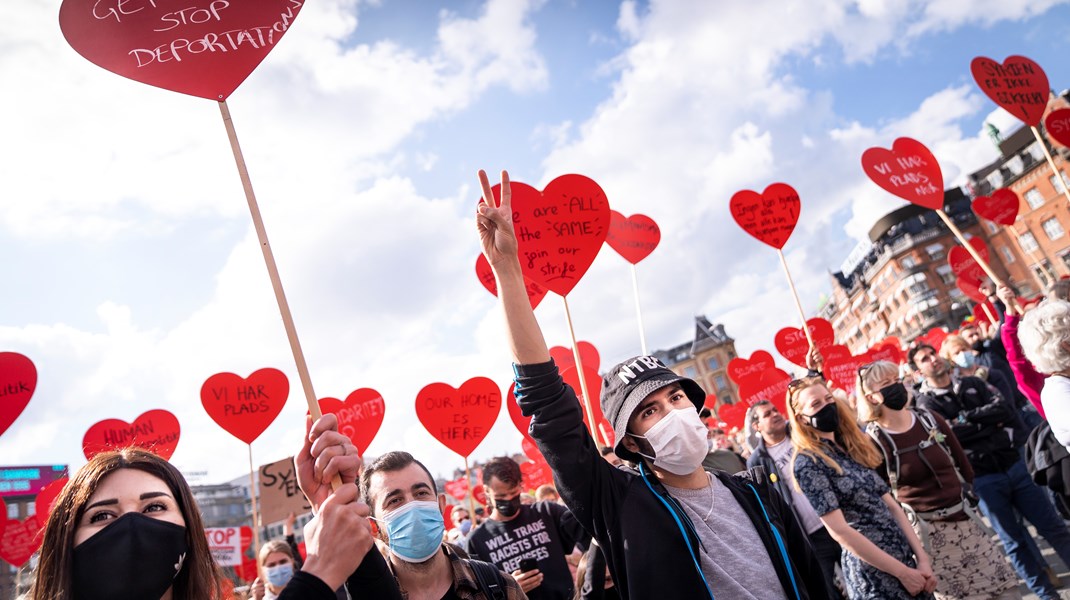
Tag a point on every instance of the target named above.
point(490, 579)
point(876, 432)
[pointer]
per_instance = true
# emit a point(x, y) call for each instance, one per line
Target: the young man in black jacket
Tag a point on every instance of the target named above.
point(669, 530)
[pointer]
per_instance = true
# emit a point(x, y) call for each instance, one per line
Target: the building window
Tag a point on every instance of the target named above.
point(719, 382)
point(713, 363)
point(1034, 198)
point(946, 275)
point(689, 372)
point(1066, 259)
point(936, 251)
point(1055, 184)
point(12, 511)
point(1053, 228)
point(995, 179)
point(1008, 256)
point(1028, 242)
point(992, 227)
point(1041, 275)
point(908, 262)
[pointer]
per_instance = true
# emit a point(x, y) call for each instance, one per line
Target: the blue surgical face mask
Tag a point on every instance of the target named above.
point(966, 359)
point(279, 575)
point(466, 526)
point(415, 530)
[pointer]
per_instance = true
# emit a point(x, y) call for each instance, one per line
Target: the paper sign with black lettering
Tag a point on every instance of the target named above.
point(359, 417)
point(204, 48)
point(245, 407)
point(459, 418)
point(156, 431)
point(1019, 85)
point(909, 170)
point(228, 544)
point(279, 494)
point(769, 217)
point(18, 380)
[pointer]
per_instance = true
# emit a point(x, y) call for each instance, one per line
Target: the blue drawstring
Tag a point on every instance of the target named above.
point(687, 540)
point(779, 541)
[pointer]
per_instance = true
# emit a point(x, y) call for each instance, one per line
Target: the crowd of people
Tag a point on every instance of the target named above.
point(913, 486)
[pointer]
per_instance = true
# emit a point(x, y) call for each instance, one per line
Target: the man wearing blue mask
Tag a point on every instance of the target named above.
point(408, 509)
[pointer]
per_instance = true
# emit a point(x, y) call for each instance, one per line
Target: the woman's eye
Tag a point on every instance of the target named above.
point(156, 507)
point(99, 516)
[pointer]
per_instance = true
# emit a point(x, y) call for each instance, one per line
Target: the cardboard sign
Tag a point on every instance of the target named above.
point(733, 415)
point(792, 344)
point(459, 418)
point(19, 539)
point(571, 377)
point(18, 380)
point(359, 417)
point(204, 48)
point(739, 367)
point(486, 276)
point(842, 371)
point(559, 230)
point(522, 423)
point(46, 499)
point(228, 544)
point(770, 384)
point(909, 170)
point(245, 407)
point(279, 494)
point(156, 431)
point(1057, 124)
point(565, 359)
point(634, 237)
point(1019, 85)
point(961, 261)
point(1001, 207)
point(769, 217)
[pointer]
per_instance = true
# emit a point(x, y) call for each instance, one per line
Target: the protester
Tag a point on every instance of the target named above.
point(126, 526)
point(462, 525)
point(833, 464)
point(981, 419)
point(276, 566)
point(992, 355)
point(593, 580)
point(547, 493)
point(1030, 381)
point(544, 533)
point(657, 527)
point(722, 455)
point(1045, 336)
point(930, 476)
point(959, 353)
point(773, 453)
point(408, 508)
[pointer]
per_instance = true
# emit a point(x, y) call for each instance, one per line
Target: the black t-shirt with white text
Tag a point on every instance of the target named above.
point(544, 531)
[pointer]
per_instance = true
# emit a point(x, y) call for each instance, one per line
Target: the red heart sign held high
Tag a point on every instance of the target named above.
point(594, 387)
point(458, 488)
point(792, 344)
point(769, 217)
point(711, 401)
point(1001, 207)
point(1057, 124)
point(770, 384)
point(969, 283)
point(245, 407)
point(843, 371)
point(19, 539)
point(156, 431)
point(934, 337)
point(634, 237)
point(564, 359)
point(46, 499)
point(204, 48)
point(961, 261)
point(909, 170)
point(479, 494)
point(979, 313)
point(733, 415)
point(834, 351)
point(530, 449)
point(359, 417)
point(1019, 85)
point(515, 414)
point(559, 230)
point(459, 418)
point(18, 380)
point(739, 367)
point(886, 351)
point(486, 276)
point(536, 473)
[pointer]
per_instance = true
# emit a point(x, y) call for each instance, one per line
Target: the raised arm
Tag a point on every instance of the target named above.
point(494, 220)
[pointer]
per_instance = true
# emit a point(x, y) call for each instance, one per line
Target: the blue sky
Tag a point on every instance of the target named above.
point(136, 274)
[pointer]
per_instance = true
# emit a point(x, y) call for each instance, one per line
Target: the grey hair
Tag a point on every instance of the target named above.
point(1041, 334)
point(864, 385)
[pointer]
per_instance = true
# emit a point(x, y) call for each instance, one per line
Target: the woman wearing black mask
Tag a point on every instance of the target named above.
point(833, 464)
point(126, 527)
point(930, 476)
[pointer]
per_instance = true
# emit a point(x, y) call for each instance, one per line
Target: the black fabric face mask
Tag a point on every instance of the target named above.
point(827, 419)
point(134, 558)
point(507, 508)
point(895, 396)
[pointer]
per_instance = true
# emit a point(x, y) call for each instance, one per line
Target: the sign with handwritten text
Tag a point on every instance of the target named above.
point(769, 217)
point(18, 380)
point(245, 406)
point(279, 494)
point(909, 170)
point(460, 418)
point(227, 544)
point(1019, 85)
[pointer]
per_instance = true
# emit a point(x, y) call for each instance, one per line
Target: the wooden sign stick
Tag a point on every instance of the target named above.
point(639, 311)
point(988, 313)
point(252, 498)
point(471, 493)
point(583, 378)
point(795, 294)
point(1051, 161)
point(977, 257)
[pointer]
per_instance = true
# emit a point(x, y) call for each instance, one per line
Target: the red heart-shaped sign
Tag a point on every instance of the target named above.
point(733, 415)
point(739, 367)
point(248, 570)
point(1019, 85)
point(792, 344)
point(522, 423)
point(156, 431)
point(245, 407)
point(834, 351)
point(359, 417)
point(486, 276)
point(447, 517)
point(536, 473)
point(970, 283)
point(1001, 207)
point(842, 371)
point(961, 261)
point(478, 493)
point(1057, 124)
point(594, 388)
point(559, 230)
point(769, 217)
point(909, 170)
point(934, 337)
point(458, 488)
point(885, 351)
point(565, 359)
point(46, 499)
point(204, 48)
point(770, 384)
point(18, 380)
point(634, 237)
point(19, 540)
point(530, 449)
point(459, 418)
point(979, 313)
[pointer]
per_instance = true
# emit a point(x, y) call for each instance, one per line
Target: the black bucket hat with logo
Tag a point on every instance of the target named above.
point(628, 384)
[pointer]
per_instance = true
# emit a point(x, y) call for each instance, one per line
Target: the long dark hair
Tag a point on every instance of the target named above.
point(199, 578)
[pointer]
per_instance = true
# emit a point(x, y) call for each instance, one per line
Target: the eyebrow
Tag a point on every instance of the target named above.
point(673, 387)
point(145, 496)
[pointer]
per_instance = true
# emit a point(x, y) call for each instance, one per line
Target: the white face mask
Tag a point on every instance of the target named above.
point(679, 442)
